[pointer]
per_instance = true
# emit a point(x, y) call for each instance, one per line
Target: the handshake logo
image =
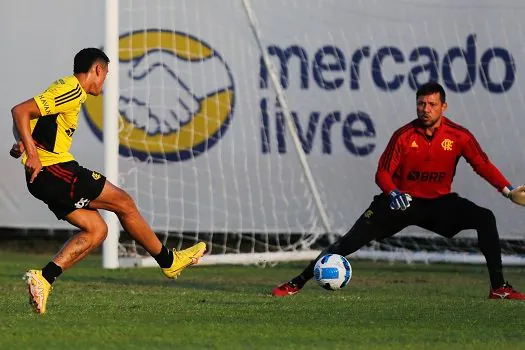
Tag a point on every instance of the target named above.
point(159, 100)
point(176, 96)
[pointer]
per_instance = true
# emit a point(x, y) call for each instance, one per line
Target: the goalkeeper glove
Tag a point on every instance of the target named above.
point(399, 200)
point(516, 195)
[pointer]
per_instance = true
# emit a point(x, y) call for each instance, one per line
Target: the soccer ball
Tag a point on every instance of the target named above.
point(332, 272)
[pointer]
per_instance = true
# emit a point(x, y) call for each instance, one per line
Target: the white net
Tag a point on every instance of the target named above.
point(188, 138)
point(206, 145)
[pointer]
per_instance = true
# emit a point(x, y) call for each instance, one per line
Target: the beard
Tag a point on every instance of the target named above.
point(427, 120)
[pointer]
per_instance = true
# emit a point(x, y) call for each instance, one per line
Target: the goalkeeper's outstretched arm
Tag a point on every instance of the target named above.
point(482, 165)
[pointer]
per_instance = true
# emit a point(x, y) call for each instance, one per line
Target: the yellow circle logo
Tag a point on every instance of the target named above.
point(176, 96)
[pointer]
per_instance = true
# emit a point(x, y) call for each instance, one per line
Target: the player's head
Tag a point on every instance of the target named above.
point(92, 63)
point(431, 103)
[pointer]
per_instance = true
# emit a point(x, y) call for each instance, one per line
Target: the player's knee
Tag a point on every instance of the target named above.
point(101, 235)
point(486, 218)
point(98, 231)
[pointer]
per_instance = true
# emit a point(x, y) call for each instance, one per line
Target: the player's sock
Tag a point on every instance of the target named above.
point(496, 279)
point(306, 275)
point(489, 245)
point(164, 258)
point(299, 281)
point(51, 271)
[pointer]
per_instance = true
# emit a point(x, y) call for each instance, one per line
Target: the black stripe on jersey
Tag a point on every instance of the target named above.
point(389, 151)
point(45, 132)
point(67, 94)
point(472, 139)
point(72, 98)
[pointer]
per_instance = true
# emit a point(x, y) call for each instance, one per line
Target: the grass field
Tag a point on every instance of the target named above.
point(229, 307)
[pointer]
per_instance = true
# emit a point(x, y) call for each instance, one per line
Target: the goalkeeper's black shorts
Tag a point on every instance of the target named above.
point(65, 187)
point(446, 215)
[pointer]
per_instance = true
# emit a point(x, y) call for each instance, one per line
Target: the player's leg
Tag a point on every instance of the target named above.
point(377, 222)
point(93, 231)
point(454, 214)
point(119, 202)
point(92, 234)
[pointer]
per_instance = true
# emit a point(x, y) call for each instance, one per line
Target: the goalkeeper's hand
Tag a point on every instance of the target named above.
point(399, 200)
point(516, 195)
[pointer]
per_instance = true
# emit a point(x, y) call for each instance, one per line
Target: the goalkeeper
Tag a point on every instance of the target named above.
point(44, 127)
point(415, 174)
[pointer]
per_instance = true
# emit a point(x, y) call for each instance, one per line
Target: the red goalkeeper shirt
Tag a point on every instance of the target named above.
point(425, 167)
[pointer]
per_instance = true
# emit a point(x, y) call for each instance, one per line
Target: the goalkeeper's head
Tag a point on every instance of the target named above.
point(91, 64)
point(431, 104)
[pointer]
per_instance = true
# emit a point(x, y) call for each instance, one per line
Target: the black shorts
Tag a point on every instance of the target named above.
point(446, 215)
point(65, 187)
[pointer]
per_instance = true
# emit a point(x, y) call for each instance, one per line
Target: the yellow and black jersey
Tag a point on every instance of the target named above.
point(53, 131)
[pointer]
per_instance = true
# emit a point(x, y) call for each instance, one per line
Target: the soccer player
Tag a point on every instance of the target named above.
point(415, 174)
point(45, 125)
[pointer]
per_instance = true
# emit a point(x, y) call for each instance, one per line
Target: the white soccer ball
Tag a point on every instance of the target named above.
point(333, 272)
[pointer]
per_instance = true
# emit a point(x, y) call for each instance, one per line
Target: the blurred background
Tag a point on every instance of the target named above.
point(257, 126)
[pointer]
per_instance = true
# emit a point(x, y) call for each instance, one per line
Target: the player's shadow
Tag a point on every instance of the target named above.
point(179, 283)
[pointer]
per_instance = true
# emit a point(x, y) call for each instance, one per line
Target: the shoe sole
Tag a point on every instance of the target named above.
point(285, 295)
point(32, 296)
point(506, 298)
point(32, 301)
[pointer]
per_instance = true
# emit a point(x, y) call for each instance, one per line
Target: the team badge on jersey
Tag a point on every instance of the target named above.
point(70, 132)
point(447, 144)
point(95, 175)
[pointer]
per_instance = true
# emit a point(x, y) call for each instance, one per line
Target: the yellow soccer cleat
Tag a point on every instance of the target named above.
point(183, 259)
point(39, 289)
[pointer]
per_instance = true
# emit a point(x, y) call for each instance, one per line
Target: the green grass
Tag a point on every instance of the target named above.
point(385, 306)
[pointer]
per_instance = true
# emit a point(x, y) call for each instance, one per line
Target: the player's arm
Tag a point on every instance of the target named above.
point(482, 165)
point(388, 164)
point(22, 114)
point(18, 147)
point(480, 162)
point(58, 98)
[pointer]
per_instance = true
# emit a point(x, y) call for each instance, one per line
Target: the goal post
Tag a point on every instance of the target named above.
point(110, 247)
point(111, 157)
point(256, 127)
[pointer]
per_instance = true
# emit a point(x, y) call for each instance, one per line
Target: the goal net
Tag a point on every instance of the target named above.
point(256, 126)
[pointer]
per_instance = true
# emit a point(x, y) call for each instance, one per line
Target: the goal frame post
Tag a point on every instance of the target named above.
point(110, 250)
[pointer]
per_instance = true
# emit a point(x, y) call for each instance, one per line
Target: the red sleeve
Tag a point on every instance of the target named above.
point(482, 165)
point(388, 163)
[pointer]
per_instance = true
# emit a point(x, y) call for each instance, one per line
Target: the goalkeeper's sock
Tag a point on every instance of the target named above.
point(51, 271)
point(299, 281)
point(164, 258)
point(496, 278)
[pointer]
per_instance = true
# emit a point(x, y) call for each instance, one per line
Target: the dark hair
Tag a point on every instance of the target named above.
point(431, 88)
point(85, 58)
